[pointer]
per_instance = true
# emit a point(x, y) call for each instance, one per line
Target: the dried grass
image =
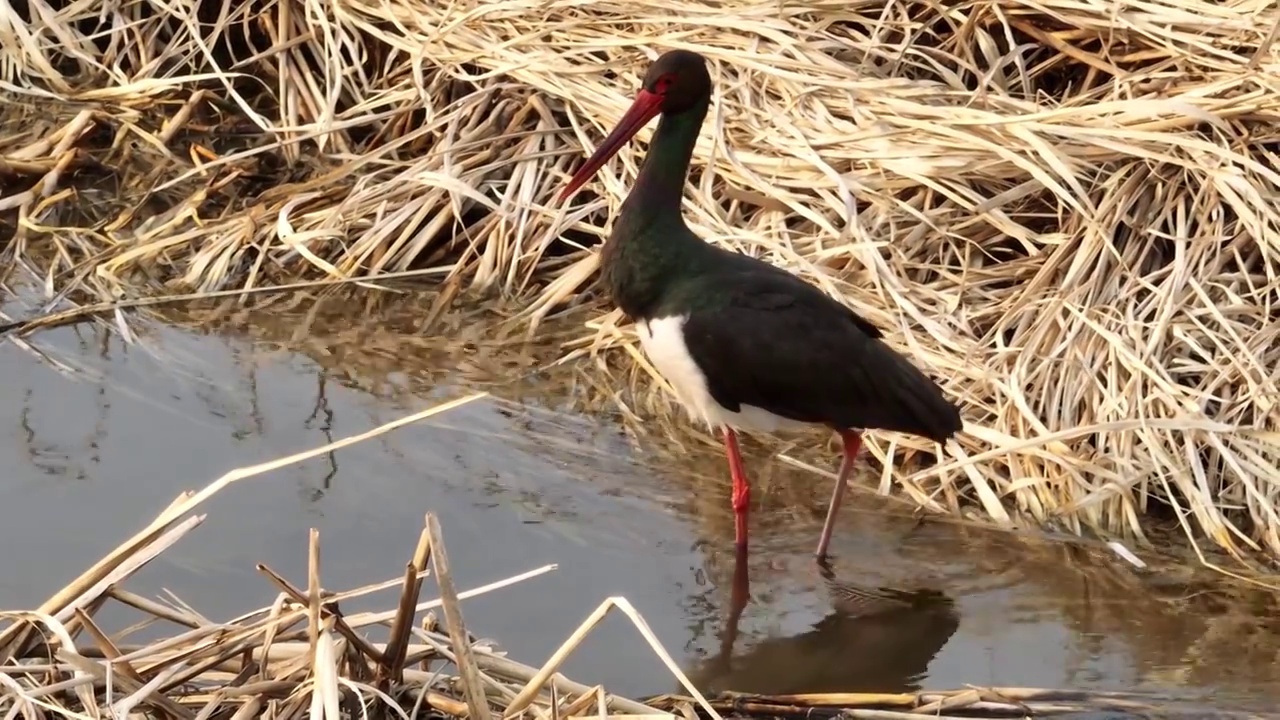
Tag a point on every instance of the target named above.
point(1063, 209)
point(302, 656)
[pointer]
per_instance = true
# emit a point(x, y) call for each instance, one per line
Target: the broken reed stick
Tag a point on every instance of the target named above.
point(535, 684)
point(466, 663)
point(110, 652)
point(326, 606)
point(402, 625)
point(313, 599)
point(448, 705)
point(151, 607)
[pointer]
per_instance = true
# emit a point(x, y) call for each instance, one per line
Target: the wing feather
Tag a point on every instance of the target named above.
point(804, 356)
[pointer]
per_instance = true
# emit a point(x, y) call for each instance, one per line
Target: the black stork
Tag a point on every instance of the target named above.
point(745, 345)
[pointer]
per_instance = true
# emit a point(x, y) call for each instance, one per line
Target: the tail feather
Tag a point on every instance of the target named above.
point(915, 404)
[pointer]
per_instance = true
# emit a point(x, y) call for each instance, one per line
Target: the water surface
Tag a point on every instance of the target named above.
point(95, 451)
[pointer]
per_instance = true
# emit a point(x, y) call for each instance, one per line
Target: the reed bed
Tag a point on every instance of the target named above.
point(302, 656)
point(1062, 209)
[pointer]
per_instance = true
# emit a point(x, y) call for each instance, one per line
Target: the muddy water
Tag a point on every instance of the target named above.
point(95, 449)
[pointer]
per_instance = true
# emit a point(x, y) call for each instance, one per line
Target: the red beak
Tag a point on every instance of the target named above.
point(645, 107)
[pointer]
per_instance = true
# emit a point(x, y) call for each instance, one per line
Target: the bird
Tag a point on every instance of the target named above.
point(744, 345)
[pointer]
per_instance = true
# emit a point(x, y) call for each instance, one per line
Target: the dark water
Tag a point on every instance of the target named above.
point(93, 454)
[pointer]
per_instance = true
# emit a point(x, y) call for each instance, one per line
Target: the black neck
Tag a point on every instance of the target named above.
point(651, 245)
point(660, 184)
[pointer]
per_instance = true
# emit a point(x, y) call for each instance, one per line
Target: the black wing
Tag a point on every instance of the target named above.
point(780, 344)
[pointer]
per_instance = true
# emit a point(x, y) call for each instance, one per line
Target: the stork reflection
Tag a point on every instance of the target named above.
point(875, 639)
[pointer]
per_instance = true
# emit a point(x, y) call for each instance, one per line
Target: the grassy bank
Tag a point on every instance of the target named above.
point(1061, 210)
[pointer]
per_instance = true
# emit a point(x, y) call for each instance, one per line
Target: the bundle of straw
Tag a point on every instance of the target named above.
point(1063, 208)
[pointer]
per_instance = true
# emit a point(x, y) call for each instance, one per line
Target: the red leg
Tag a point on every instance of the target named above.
point(741, 491)
point(852, 440)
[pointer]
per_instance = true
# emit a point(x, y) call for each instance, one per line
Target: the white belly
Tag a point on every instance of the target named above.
point(662, 340)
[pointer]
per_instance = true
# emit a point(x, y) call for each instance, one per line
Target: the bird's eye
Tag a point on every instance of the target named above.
point(664, 83)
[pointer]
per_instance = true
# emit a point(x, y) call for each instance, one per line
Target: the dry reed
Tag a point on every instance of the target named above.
point(302, 656)
point(1062, 209)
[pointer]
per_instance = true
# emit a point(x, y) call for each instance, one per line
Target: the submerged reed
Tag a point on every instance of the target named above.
point(1061, 209)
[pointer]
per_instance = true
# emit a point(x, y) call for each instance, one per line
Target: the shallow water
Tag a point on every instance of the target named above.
point(94, 454)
